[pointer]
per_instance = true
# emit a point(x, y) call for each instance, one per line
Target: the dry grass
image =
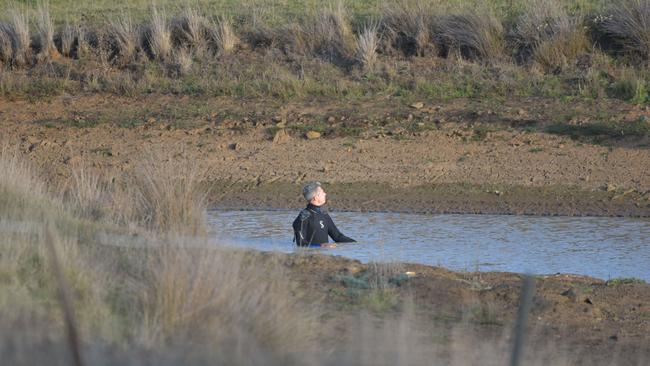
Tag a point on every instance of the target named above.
point(472, 35)
point(45, 27)
point(6, 47)
point(410, 25)
point(68, 35)
point(547, 35)
point(367, 45)
point(125, 38)
point(159, 36)
point(183, 61)
point(327, 34)
point(168, 195)
point(87, 194)
point(19, 34)
point(628, 24)
point(223, 35)
point(190, 29)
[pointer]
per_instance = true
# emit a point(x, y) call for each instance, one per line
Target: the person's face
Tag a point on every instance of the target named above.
point(320, 198)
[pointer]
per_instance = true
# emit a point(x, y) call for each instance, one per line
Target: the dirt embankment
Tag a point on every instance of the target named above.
point(443, 165)
point(593, 321)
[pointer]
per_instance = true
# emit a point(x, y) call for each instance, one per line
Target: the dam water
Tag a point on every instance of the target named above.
point(602, 247)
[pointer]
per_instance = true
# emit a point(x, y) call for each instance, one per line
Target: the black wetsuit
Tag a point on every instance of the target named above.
point(313, 225)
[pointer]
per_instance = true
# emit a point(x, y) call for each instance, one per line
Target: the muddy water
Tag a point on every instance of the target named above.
point(596, 246)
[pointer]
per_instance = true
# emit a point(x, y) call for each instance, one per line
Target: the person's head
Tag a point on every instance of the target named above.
point(314, 194)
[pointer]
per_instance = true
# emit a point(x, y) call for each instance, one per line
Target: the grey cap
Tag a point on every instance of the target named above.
point(309, 191)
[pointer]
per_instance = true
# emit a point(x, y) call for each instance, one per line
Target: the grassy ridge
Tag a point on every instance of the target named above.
point(418, 49)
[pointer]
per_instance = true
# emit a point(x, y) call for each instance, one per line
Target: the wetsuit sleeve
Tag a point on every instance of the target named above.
point(300, 228)
point(335, 234)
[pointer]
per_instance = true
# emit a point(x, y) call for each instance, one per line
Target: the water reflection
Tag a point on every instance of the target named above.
point(597, 246)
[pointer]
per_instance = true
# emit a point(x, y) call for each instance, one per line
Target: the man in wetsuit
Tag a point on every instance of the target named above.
point(313, 224)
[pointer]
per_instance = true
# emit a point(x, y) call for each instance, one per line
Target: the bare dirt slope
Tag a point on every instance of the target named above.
point(502, 170)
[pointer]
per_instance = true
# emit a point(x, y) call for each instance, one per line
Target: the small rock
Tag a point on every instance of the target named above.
point(151, 120)
point(521, 112)
point(312, 135)
point(235, 146)
point(331, 119)
point(610, 187)
point(277, 119)
point(417, 105)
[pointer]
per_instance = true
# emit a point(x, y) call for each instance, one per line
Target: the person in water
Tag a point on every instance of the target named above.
point(313, 225)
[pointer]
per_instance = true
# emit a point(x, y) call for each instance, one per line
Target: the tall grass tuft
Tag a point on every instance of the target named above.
point(67, 40)
point(124, 38)
point(223, 35)
point(548, 35)
point(6, 48)
point(168, 196)
point(20, 38)
point(182, 61)
point(367, 45)
point(627, 23)
point(473, 35)
point(410, 26)
point(45, 27)
point(189, 30)
point(87, 194)
point(159, 37)
point(327, 34)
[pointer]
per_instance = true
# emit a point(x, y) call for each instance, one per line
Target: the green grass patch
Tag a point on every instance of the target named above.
point(639, 128)
point(624, 281)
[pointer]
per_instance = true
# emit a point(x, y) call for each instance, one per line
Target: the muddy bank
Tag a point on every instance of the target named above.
point(596, 322)
point(378, 155)
point(436, 199)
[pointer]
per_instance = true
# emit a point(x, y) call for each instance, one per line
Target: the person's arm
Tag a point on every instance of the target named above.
point(335, 234)
point(300, 228)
